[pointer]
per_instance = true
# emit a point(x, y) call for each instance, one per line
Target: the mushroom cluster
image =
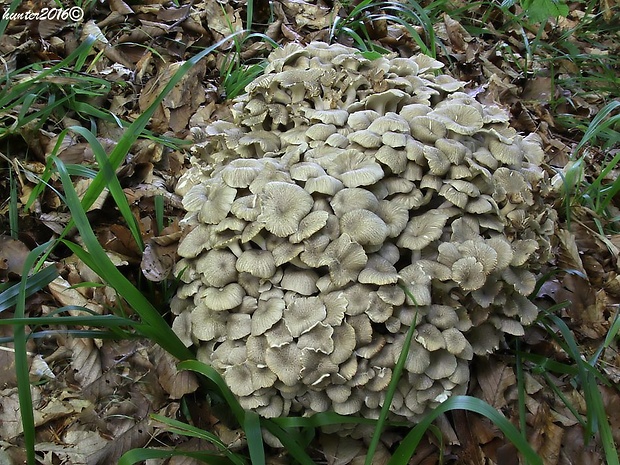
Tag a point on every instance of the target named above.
point(349, 200)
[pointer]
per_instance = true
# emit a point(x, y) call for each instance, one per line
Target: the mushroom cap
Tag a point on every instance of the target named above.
point(259, 263)
point(217, 267)
point(223, 298)
point(378, 271)
point(430, 337)
point(286, 362)
point(344, 258)
point(238, 326)
point(423, 229)
point(468, 273)
point(364, 227)
point(427, 129)
point(361, 198)
point(459, 118)
point(303, 314)
point(207, 325)
point(442, 364)
point(389, 122)
point(266, 315)
point(283, 205)
point(318, 339)
point(300, 281)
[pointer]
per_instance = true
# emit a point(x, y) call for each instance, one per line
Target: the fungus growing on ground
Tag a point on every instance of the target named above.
point(340, 182)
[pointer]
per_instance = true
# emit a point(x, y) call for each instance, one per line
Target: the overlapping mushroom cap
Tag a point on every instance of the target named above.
point(339, 182)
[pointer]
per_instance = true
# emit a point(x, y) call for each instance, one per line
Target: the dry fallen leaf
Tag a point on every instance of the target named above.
point(85, 360)
point(495, 378)
point(13, 254)
point(340, 450)
point(546, 437)
point(176, 383)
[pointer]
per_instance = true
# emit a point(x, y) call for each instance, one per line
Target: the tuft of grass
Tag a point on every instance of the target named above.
point(357, 22)
point(584, 373)
point(32, 95)
point(235, 74)
point(598, 194)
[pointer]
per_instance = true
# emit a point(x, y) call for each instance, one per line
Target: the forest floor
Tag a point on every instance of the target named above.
point(92, 398)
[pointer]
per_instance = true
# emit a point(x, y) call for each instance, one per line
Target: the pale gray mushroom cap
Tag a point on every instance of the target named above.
point(348, 200)
point(283, 206)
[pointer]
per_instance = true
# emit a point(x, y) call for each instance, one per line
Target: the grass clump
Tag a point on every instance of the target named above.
point(32, 95)
point(596, 193)
point(363, 21)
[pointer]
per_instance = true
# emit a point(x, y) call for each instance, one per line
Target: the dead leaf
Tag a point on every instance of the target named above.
point(469, 437)
point(538, 89)
point(181, 102)
point(495, 378)
point(81, 187)
point(68, 296)
point(7, 369)
point(119, 6)
point(86, 361)
point(574, 451)
point(13, 255)
point(546, 437)
point(158, 261)
point(569, 258)
point(457, 34)
point(339, 450)
point(176, 383)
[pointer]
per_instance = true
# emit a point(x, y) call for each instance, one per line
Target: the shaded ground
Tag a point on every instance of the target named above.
point(92, 399)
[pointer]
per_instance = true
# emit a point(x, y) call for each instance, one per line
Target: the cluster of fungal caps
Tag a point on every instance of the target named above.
point(340, 182)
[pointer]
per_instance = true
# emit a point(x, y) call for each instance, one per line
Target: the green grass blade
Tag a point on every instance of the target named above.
point(34, 283)
point(521, 389)
point(178, 427)
point(612, 334)
point(290, 444)
point(249, 18)
point(158, 201)
point(153, 325)
point(13, 212)
point(254, 436)
point(596, 417)
point(546, 364)
point(396, 374)
point(4, 21)
point(596, 188)
point(598, 124)
point(103, 321)
point(389, 395)
point(24, 87)
point(218, 383)
point(564, 399)
point(21, 358)
point(408, 445)
point(112, 183)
